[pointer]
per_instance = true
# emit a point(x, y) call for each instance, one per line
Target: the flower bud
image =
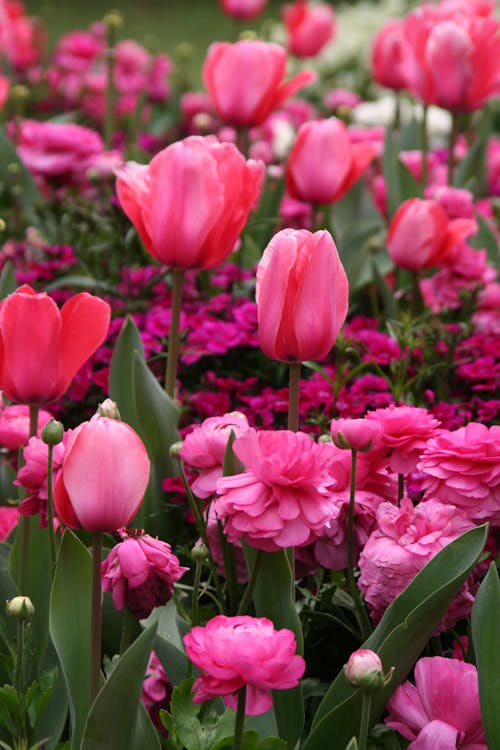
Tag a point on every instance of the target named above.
point(52, 433)
point(355, 434)
point(175, 449)
point(364, 670)
point(20, 607)
point(200, 553)
point(113, 19)
point(109, 409)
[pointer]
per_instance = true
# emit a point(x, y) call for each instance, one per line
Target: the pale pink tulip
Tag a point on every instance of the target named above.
point(391, 56)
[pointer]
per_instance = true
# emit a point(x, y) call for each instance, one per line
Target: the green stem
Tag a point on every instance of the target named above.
point(196, 591)
point(360, 612)
point(50, 508)
point(293, 396)
point(128, 625)
point(109, 115)
point(397, 110)
point(174, 344)
point(425, 146)
point(365, 720)
point(401, 487)
point(96, 618)
point(247, 596)
point(455, 127)
point(229, 568)
point(25, 521)
point(240, 718)
point(416, 296)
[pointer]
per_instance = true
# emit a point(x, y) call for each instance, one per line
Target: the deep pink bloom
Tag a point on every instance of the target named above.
point(15, 425)
point(192, 201)
point(422, 236)
point(463, 468)
point(156, 692)
point(205, 448)
point(302, 295)
point(405, 433)
point(323, 163)
point(33, 475)
point(242, 9)
point(442, 709)
point(391, 56)
point(141, 572)
point(237, 651)
point(309, 26)
point(404, 541)
point(280, 500)
point(104, 475)
point(8, 520)
point(245, 80)
point(42, 347)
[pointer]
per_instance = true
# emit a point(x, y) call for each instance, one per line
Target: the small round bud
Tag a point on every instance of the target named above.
point(13, 168)
point(200, 553)
point(325, 439)
point(184, 51)
point(3, 225)
point(52, 433)
point(20, 607)
point(175, 449)
point(356, 434)
point(109, 409)
point(248, 34)
point(113, 19)
point(364, 670)
point(19, 92)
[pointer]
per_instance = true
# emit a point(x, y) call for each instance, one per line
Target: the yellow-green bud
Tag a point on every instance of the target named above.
point(109, 409)
point(175, 449)
point(3, 225)
point(52, 433)
point(200, 553)
point(19, 92)
point(113, 19)
point(248, 34)
point(20, 607)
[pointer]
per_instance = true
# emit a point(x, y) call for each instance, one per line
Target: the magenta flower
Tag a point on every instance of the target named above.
point(156, 692)
point(280, 500)
point(442, 709)
point(404, 541)
point(463, 468)
point(141, 572)
point(15, 425)
point(237, 651)
point(9, 516)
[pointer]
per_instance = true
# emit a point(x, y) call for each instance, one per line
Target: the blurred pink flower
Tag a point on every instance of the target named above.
point(8, 520)
point(156, 692)
point(405, 539)
point(310, 26)
point(242, 9)
point(390, 57)
point(280, 500)
point(237, 651)
point(441, 709)
point(15, 425)
point(141, 572)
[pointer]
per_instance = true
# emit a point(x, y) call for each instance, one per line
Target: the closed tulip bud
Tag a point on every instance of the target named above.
point(364, 670)
point(109, 408)
point(302, 295)
point(52, 433)
point(20, 607)
point(391, 56)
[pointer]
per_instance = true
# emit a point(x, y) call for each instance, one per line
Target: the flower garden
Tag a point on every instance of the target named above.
point(250, 383)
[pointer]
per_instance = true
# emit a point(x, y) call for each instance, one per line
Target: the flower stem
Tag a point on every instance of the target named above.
point(173, 337)
point(196, 593)
point(401, 487)
point(365, 720)
point(425, 146)
point(360, 611)
point(96, 621)
point(50, 508)
point(109, 114)
point(240, 718)
point(293, 396)
point(455, 127)
point(247, 596)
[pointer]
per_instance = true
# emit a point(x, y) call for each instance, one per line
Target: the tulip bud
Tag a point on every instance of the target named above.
point(52, 433)
point(364, 670)
point(20, 607)
point(109, 409)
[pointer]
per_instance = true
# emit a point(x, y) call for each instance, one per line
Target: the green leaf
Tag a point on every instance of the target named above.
point(78, 281)
point(400, 183)
point(121, 382)
point(115, 719)
point(399, 638)
point(8, 283)
point(486, 638)
point(251, 741)
point(188, 728)
point(70, 626)
point(53, 719)
point(168, 643)
point(485, 238)
point(29, 195)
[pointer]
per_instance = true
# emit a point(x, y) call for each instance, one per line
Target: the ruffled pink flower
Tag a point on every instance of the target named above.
point(463, 468)
point(281, 499)
point(8, 520)
point(156, 692)
point(237, 651)
point(405, 539)
point(442, 709)
point(141, 572)
point(405, 432)
point(15, 425)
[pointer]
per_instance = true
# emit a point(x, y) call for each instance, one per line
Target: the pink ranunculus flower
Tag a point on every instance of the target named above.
point(246, 80)
point(141, 572)
point(310, 26)
point(280, 500)
point(156, 692)
point(236, 651)
point(214, 542)
point(442, 709)
point(463, 468)
point(243, 10)
point(33, 475)
point(15, 425)
point(405, 539)
point(405, 432)
point(205, 447)
point(323, 164)
point(9, 517)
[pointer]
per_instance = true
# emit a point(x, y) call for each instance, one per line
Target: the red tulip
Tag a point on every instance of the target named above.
point(191, 202)
point(323, 164)
point(302, 295)
point(310, 27)
point(104, 475)
point(421, 235)
point(245, 80)
point(242, 9)
point(42, 348)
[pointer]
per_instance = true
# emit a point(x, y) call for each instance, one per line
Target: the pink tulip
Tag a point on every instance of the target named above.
point(104, 475)
point(191, 202)
point(42, 348)
point(442, 709)
point(245, 80)
point(310, 27)
point(323, 164)
point(391, 56)
point(237, 651)
point(242, 9)
point(302, 295)
point(422, 236)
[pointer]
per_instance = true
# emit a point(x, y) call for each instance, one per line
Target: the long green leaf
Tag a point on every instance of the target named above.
point(399, 638)
point(168, 642)
point(116, 719)
point(486, 638)
point(121, 373)
point(8, 282)
point(70, 626)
